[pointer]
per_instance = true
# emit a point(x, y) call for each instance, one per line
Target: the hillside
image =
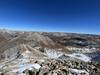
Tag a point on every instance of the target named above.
point(37, 49)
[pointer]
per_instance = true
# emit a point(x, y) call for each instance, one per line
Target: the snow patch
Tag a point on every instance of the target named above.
point(79, 56)
point(51, 53)
point(78, 72)
point(23, 67)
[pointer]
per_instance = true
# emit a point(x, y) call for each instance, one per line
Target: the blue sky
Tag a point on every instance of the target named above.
point(81, 16)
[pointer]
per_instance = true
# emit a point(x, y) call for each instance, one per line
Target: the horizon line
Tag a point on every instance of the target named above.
point(69, 32)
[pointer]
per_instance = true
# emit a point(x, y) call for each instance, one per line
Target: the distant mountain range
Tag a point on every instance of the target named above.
point(24, 45)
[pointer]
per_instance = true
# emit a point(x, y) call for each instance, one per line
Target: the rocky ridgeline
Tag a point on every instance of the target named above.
point(56, 67)
point(59, 67)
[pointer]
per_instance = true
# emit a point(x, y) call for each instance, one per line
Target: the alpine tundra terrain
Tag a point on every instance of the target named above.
point(48, 53)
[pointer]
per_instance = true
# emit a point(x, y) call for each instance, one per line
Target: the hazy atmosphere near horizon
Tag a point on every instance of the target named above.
point(77, 16)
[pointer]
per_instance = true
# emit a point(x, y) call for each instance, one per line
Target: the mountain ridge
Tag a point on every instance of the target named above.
point(23, 50)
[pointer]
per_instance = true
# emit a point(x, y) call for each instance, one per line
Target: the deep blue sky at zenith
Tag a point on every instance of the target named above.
point(82, 16)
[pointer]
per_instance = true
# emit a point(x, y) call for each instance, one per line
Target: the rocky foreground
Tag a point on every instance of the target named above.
point(44, 53)
point(56, 67)
point(52, 67)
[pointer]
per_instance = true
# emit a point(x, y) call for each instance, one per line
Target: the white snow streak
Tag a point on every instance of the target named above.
point(79, 56)
point(78, 72)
